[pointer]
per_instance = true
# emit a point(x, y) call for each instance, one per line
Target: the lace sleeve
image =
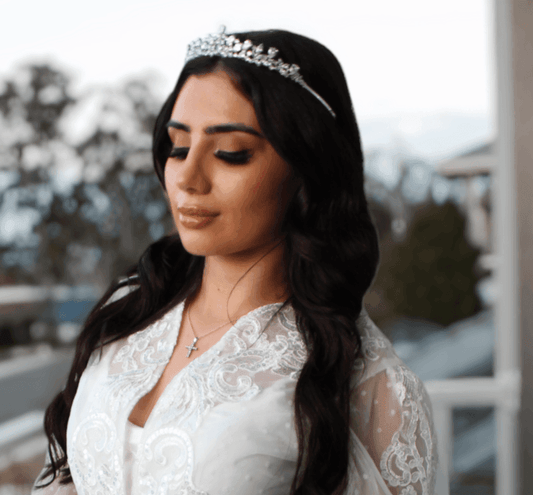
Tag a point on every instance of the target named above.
point(392, 426)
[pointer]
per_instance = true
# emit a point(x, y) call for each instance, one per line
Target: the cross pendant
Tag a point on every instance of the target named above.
point(191, 347)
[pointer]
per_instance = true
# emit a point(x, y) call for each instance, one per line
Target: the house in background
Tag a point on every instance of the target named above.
point(473, 170)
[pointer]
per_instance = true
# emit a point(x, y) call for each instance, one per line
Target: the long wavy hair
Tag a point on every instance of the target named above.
point(330, 239)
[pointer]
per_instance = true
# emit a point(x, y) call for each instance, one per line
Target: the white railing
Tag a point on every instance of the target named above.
point(501, 392)
point(22, 437)
point(26, 294)
point(17, 429)
point(21, 427)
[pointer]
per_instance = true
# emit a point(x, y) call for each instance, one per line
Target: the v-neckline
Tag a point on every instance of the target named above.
point(207, 353)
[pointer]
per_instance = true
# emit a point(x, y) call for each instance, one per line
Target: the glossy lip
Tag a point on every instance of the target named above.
point(195, 222)
point(195, 211)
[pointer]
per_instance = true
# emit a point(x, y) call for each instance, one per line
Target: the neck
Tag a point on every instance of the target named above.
point(224, 292)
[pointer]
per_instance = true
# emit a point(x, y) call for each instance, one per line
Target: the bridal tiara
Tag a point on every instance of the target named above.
point(222, 45)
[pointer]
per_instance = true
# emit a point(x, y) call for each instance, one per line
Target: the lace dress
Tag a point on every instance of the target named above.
point(224, 424)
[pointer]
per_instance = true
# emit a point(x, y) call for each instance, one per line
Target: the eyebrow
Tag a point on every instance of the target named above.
point(215, 129)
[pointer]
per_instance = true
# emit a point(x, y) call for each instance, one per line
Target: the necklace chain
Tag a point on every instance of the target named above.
point(192, 347)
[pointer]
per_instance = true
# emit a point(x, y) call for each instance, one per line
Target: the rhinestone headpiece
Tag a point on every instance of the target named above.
point(222, 45)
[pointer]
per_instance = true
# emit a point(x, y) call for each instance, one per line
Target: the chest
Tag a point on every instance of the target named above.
point(187, 348)
point(209, 416)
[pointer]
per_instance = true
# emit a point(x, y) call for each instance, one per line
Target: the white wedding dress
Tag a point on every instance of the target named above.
point(224, 424)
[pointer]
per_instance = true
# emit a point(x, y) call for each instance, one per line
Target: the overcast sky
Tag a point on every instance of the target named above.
point(409, 56)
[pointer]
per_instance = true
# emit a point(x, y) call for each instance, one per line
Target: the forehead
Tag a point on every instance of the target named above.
point(210, 99)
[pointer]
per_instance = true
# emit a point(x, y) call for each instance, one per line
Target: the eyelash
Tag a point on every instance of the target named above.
point(232, 157)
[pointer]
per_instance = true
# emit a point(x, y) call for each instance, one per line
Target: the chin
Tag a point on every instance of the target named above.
point(212, 247)
point(198, 248)
point(200, 244)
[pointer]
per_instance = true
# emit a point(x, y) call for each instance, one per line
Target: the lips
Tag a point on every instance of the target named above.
point(194, 211)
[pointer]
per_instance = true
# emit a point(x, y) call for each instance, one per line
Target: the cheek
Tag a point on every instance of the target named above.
point(166, 177)
point(170, 175)
point(265, 199)
point(170, 185)
point(258, 183)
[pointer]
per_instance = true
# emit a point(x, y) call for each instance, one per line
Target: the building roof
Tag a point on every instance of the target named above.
point(480, 160)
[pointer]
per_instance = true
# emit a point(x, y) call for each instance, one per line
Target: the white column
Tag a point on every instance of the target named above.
point(507, 341)
point(442, 416)
point(504, 188)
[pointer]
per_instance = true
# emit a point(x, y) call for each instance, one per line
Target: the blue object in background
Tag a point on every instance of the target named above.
point(72, 311)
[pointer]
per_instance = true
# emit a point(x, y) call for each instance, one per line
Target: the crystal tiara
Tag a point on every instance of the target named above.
point(222, 45)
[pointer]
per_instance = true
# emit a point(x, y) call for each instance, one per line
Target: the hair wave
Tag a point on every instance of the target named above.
point(331, 243)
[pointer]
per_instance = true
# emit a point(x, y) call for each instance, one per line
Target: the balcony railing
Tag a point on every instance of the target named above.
point(501, 392)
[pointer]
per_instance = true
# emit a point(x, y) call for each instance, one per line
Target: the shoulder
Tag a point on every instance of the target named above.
point(392, 415)
point(377, 352)
point(129, 285)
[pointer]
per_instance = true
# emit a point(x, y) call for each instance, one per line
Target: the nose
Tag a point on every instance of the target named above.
point(192, 174)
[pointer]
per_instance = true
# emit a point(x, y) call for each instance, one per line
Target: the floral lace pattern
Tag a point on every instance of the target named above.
point(408, 460)
point(224, 424)
point(393, 404)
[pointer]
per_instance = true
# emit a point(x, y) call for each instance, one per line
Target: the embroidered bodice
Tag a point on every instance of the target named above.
point(224, 424)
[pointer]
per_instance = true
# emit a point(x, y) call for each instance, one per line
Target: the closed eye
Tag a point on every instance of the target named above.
point(179, 153)
point(234, 157)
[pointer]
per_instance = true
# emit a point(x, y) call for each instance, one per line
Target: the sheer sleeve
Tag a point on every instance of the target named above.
point(393, 424)
point(393, 442)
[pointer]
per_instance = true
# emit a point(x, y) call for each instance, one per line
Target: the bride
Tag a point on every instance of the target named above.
point(237, 357)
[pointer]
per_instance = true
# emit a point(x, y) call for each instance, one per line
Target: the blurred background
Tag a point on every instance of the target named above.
point(80, 87)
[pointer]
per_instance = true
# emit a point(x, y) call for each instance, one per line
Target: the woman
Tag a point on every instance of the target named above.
point(236, 357)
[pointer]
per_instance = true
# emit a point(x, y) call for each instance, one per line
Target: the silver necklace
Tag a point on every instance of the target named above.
point(192, 347)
